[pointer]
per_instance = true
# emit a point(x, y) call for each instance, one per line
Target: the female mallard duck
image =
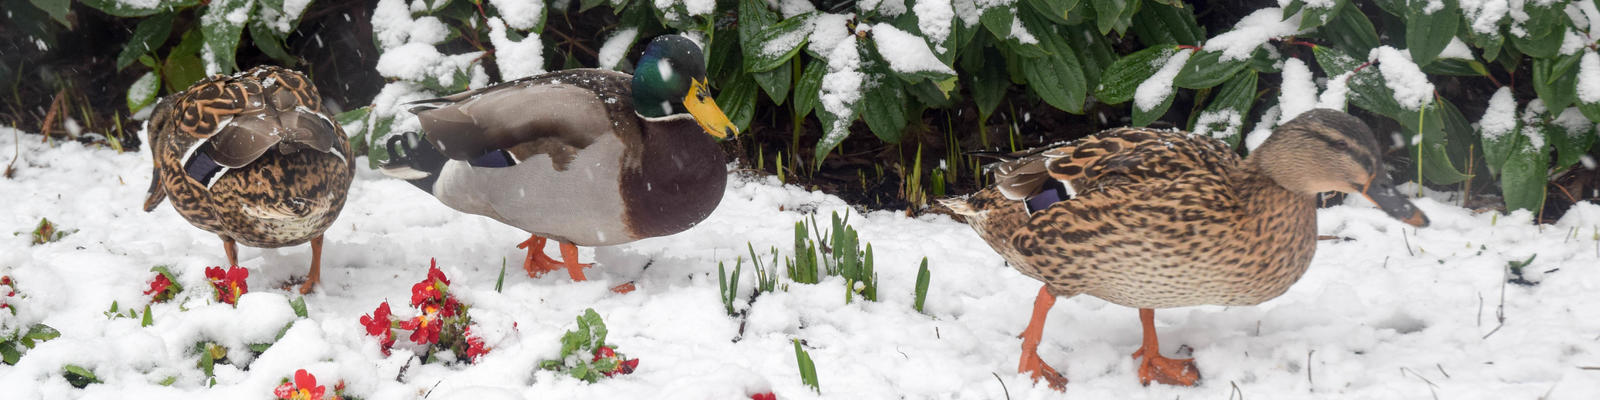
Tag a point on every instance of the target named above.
point(251, 158)
point(587, 157)
point(1156, 219)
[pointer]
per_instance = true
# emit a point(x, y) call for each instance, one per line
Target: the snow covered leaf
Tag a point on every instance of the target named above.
point(1120, 80)
point(1544, 30)
point(1556, 80)
point(142, 93)
point(1164, 24)
point(125, 9)
point(147, 37)
point(1207, 69)
point(809, 87)
point(1367, 89)
point(1588, 90)
point(883, 106)
point(1057, 78)
point(1430, 25)
point(1524, 175)
point(774, 44)
point(1318, 14)
point(1498, 128)
point(1350, 30)
point(1153, 96)
point(1005, 23)
point(221, 25)
point(1224, 117)
point(908, 54)
point(1571, 135)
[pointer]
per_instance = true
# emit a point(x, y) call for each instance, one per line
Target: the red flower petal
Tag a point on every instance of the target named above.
point(628, 366)
point(284, 391)
point(764, 396)
point(304, 379)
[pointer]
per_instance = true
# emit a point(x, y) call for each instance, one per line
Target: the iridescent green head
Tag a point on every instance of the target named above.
point(671, 79)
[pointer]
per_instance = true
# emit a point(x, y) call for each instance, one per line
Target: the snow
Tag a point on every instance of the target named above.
point(283, 19)
point(1298, 92)
point(1229, 119)
point(934, 18)
point(827, 31)
point(145, 88)
point(694, 7)
point(616, 48)
point(393, 26)
point(1338, 90)
point(1572, 42)
point(1252, 32)
point(887, 8)
point(1485, 15)
point(1500, 117)
point(967, 11)
point(1263, 129)
point(516, 59)
point(419, 61)
point(1155, 90)
point(1532, 119)
point(520, 14)
point(1574, 123)
point(1409, 303)
point(790, 8)
point(1456, 50)
point(781, 44)
point(1020, 31)
point(906, 53)
point(1590, 16)
point(1589, 77)
point(841, 86)
point(1411, 87)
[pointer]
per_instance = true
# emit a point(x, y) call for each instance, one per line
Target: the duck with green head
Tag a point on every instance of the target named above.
point(588, 157)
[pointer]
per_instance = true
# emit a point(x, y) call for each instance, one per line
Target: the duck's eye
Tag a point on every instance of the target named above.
point(1340, 145)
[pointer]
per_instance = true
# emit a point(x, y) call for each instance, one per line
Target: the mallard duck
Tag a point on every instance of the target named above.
point(587, 157)
point(252, 158)
point(1156, 219)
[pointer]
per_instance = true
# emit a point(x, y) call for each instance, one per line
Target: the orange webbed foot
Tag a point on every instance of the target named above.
point(537, 264)
point(1167, 371)
point(1035, 367)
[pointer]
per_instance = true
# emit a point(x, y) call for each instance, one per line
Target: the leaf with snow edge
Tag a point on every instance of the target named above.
point(1266, 60)
point(1545, 28)
point(1236, 96)
point(840, 90)
point(126, 9)
point(1497, 130)
point(1570, 134)
point(1206, 70)
point(936, 20)
point(1057, 78)
point(355, 128)
point(1556, 81)
point(774, 44)
point(1161, 24)
point(142, 93)
point(1588, 89)
point(809, 87)
point(614, 51)
point(738, 99)
point(1253, 31)
point(147, 36)
point(1367, 90)
point(1411, 88)
point(221, 26)
point(270, 43)
point(1159, 85)
point(57, 9)
point(1350, 29)
point(1430, 29)
point(882, 105)
point(1527, 167)
point(1315, 16)
point(1057, 11)
point(1119, 81)
point(1113, 14)
point(908, 55)
point(1004, 23)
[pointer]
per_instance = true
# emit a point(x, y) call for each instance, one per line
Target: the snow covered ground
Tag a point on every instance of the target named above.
point(1393, 313)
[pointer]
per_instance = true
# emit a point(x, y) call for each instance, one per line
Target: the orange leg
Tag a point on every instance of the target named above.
point(1031, 363)
point(537, 264)
point(316, 266)
point(1181, 372)
point(569, 255)
point(232, 250)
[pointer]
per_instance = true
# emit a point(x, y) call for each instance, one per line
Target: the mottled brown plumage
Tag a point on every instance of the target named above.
point(252, 158)
point(1169, 219)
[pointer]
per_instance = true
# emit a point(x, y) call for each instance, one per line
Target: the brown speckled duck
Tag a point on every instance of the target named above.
point(1155, 219)
point(252, 158)
point(588, 157)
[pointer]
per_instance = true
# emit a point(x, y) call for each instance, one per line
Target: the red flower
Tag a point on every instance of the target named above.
point(432, 289)
point(475, 346)
point(158, 288)
point(304, 387)
point(764, 396)
point(230, 284)
point(378, 325)
point(434, 274)
point(624, 366)
point(424, 328)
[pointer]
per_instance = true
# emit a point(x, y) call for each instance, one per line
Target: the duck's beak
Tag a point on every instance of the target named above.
point(706, 112)
point(1380, 190)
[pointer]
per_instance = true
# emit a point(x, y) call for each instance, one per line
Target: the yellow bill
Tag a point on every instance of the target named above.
point(706, 112)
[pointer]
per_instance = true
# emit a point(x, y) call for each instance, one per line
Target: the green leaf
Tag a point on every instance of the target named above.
point(921, 291)
point(147, 320)
point(1206, 69)
point(725, 61)
point(221, 34)
point(1113, 14)
point(1056, 10)
point(1367, 89)
point(809, 87)
point(1435, 160)
point(78, 376)
point(1318, 16)
point(883, 104)
point(1545, 29)
point(1569, 145)
point(1350, 30)
point(1456, 67)
point(41, 332)
point(738, 99)
point(990, 83)
point(776, 82)
point(1056, 78)
point(133, 9)
point(1523, 177)
point(1143, 117)
point(1003, 21)
point(57, 9)
point(790, 35)
point(1093, 50)
point(9, 354)
point(143, 92)
point(1236, 96)
point(183, 67)
point(1124, 76)
point(1156, 24)
point(1428, 33)
point(808, 369)
point(268, 41)
point(299, 306)
point(501, 281)
point(1557, 86)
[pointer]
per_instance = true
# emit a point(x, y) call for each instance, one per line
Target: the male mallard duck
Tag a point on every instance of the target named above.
point(251, 158)
point(587, 157)
point(1155, 219)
